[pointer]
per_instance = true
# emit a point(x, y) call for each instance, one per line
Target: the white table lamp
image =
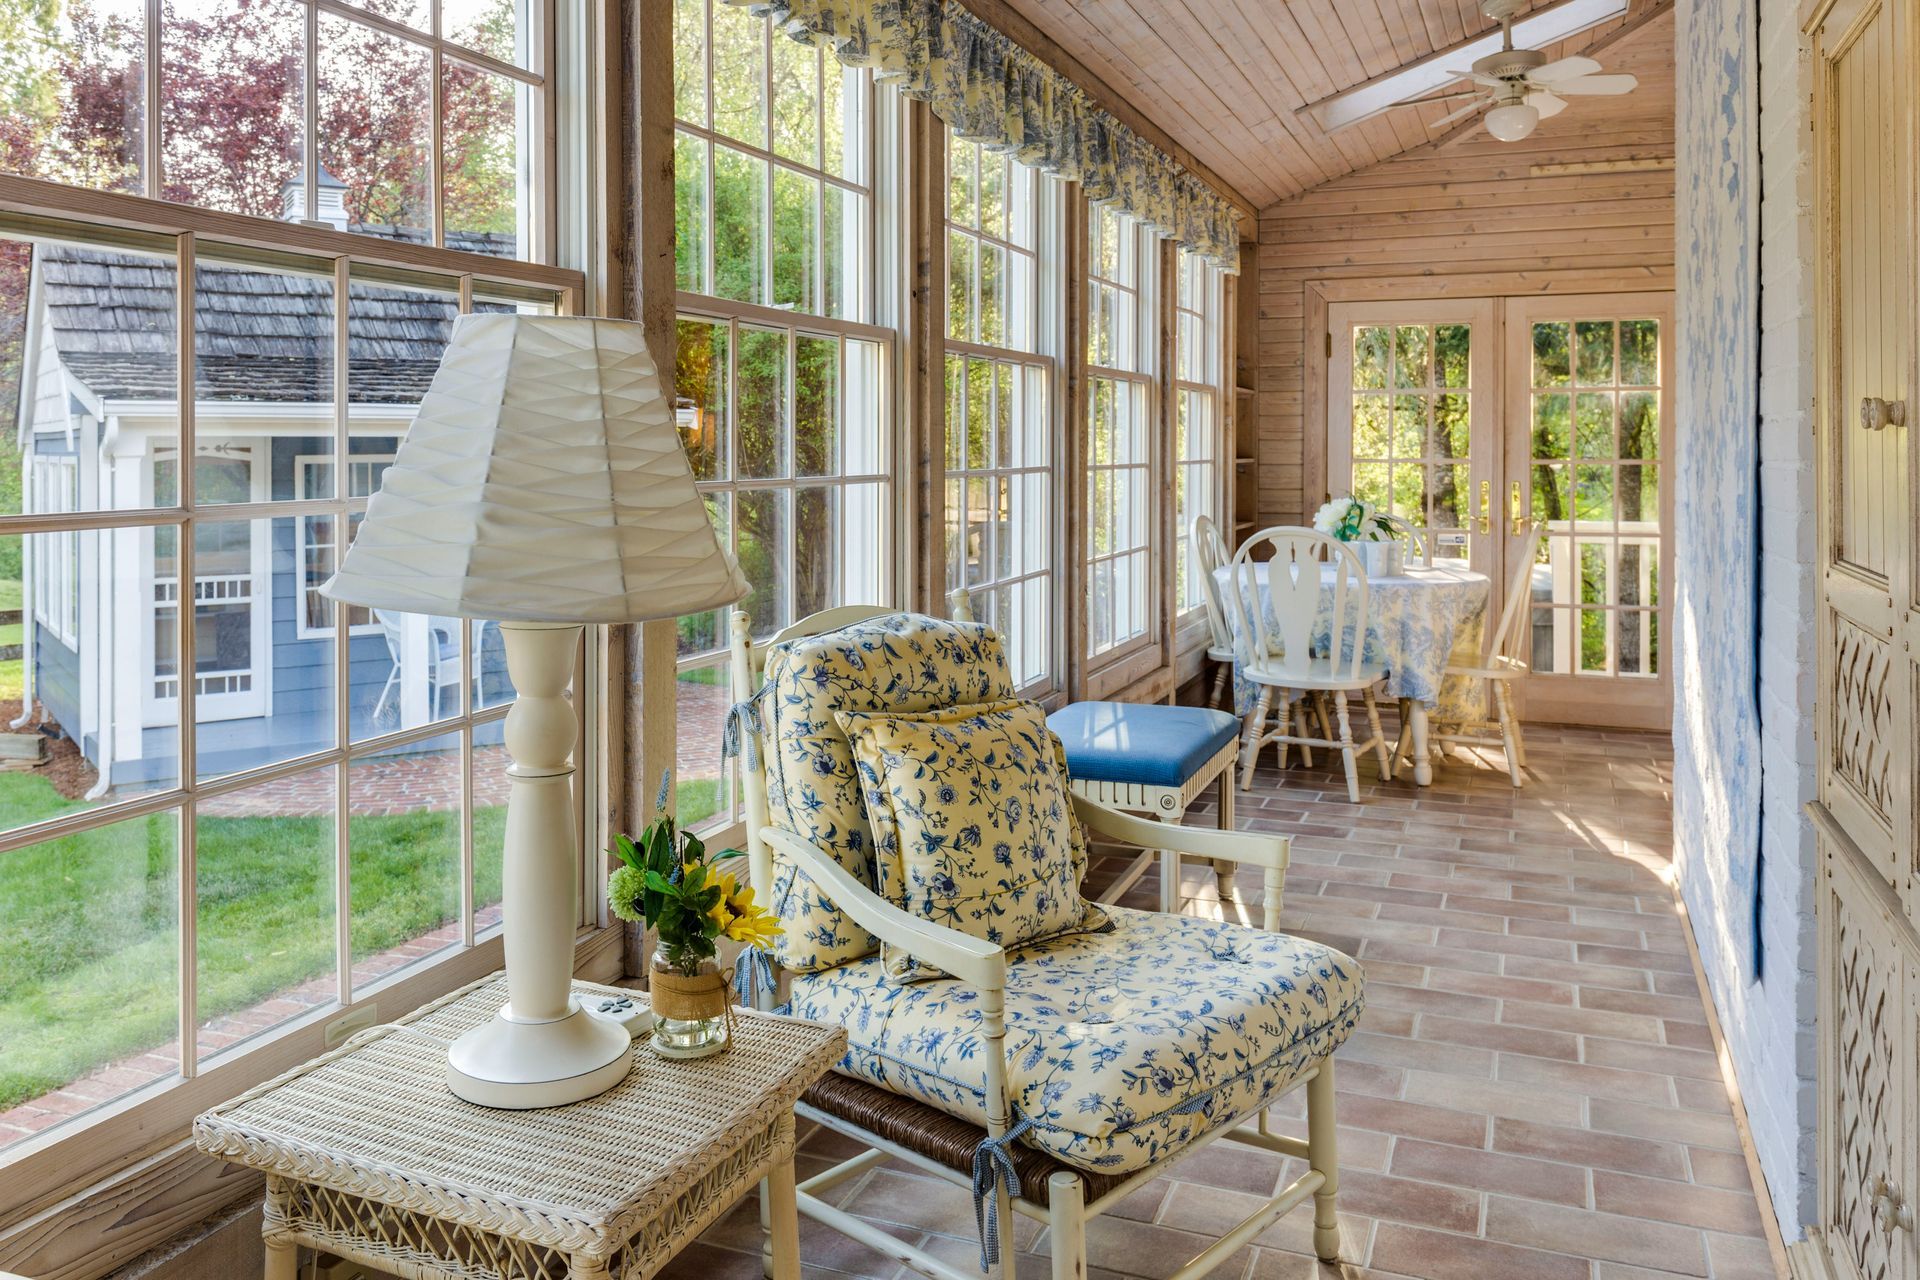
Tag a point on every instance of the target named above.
point(542, 485)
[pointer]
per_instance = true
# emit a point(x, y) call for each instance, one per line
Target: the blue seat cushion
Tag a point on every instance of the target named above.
point(1143, 743)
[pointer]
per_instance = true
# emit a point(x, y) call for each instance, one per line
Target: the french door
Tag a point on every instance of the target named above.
point(1479, 418)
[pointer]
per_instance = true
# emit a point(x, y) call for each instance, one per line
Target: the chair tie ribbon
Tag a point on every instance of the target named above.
point(743, 725)
point(992, 1168)
point(752, 976)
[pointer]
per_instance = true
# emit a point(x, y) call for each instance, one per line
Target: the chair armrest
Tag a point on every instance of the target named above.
point(1249, 847)
point(980, 964)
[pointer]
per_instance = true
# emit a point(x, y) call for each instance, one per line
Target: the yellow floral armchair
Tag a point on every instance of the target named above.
point(1049, 1056)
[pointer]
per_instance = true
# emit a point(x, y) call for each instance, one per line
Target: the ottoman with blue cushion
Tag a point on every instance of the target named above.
point(1153, 759)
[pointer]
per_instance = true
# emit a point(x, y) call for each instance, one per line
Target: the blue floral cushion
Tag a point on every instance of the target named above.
point(900, 662)
point(971, 823)
point(1123, 1046)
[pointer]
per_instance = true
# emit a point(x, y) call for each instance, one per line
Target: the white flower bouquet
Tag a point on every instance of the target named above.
point(1351, 520)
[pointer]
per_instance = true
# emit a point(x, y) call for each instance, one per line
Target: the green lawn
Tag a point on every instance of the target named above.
point(10, 680)
point(88, 937)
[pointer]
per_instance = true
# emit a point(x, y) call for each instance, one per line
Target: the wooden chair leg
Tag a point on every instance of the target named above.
point(1323, 1157)
point(1306, 729)
point(1379, 736)
point(1250, 743)
point(1220, 684)
point(1286, 728)
point(1067, 1225)
point(1506, 730)
point(1403, 745)
point(1346, 749)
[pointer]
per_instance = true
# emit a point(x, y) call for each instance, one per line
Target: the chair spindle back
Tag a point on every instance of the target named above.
point(1291, 599)
point(1504, 636)
point(1209, 557)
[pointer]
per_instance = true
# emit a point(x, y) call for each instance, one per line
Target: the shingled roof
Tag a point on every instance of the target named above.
point(261, 336)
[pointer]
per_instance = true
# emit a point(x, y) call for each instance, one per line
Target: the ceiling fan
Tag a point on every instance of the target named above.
point(1521, 86)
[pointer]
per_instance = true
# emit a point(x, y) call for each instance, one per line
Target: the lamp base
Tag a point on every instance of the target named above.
point(519, 1066)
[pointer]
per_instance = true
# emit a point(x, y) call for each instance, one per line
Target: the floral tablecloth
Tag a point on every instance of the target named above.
point(1417, 621)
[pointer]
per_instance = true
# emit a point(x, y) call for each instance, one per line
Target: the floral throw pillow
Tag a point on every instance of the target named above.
point(972, 825)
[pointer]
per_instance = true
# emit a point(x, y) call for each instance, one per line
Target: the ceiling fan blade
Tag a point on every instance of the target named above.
point(1564, 69)
point(1492, 82)
point(1463, 112)
point(1607, 85)
point(1547, 104)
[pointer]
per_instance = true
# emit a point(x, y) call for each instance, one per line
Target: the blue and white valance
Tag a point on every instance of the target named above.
point(992, 91)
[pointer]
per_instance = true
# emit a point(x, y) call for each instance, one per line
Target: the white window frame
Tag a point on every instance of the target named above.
point(1028, 348)
point(55, 581)
point(1202, 376)
point(303, 629)
point(868, 246)
point(1134, 290)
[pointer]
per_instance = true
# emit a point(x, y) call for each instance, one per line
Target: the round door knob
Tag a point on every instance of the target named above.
point(1877, 414)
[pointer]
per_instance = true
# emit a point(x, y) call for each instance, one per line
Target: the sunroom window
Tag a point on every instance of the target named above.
point(1122, 357)
point(784, 380)
point(1001, 495)
point(245, 818)
point(1199, 376)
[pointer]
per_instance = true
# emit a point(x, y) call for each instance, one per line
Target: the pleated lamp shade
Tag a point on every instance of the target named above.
point(541, 481)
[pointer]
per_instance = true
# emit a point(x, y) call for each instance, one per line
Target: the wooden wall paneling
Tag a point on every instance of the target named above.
point(1464, 217)
point(926, 333)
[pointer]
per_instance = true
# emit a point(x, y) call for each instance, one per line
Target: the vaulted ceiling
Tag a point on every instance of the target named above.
point(1225, 78)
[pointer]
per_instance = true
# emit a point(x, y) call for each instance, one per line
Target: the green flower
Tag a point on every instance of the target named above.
point(625, 888)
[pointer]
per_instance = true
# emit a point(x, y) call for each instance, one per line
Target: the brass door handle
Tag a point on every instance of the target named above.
point(1516, 511)
point(1877, 414)
point(1486, 506)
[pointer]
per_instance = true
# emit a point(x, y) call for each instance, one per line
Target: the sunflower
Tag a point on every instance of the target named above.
point(750, 924)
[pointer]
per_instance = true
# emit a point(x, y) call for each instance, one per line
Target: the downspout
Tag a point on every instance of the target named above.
point(104, 617)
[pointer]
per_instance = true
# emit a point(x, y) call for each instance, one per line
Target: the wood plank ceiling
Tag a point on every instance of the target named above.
point(1225, 78)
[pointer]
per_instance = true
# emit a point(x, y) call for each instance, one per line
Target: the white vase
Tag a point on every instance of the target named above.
point(1379, 559)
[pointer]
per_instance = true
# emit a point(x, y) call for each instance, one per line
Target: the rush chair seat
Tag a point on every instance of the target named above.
point(1042, 1052)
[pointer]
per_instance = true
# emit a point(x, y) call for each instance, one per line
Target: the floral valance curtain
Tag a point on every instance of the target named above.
point(994, 92)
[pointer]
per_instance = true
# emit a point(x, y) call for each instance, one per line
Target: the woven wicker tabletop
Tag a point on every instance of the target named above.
point(376, 1119)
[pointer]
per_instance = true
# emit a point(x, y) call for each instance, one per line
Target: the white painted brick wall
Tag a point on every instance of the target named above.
point(1769, 1025)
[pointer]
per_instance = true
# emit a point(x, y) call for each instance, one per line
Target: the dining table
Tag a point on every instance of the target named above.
point(1419, 621)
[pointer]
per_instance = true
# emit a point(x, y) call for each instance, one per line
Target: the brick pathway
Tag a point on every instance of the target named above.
point(379, 786)
point(1532, 1094)
point(702, 713)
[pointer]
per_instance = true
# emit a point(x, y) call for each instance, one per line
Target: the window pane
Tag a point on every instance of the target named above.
point(816, 364)
point(739, 223)
point(82, 674)
point(843, 111)
point(376, 126)
point(265, 886)
point(403, 830)
point(78, 114)
point(106, 321)
point(700, 389)
point(487, 650)
point(796, 100)
point(231, 88)
point(701, 698)
point(690, 60)
point(491, 27)
point(481, 174)
point(796, 227)
point(690, 212)
point(960, 284)
point(818, 549)
point(739, 74)
point(763, 546)
point(405, 672)
point(89, 968)
point(761, 379)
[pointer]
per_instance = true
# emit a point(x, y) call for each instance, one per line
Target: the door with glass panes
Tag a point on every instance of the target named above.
point(1411, 413)
point(1588, 437)
point(1476, 418)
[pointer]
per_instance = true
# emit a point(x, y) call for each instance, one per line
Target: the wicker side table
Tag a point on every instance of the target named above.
point(370, 1156)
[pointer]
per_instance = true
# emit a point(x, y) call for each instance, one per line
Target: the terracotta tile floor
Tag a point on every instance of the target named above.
point(1531, 1094)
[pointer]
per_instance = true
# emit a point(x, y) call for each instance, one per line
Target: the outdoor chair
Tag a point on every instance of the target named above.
point(887, 768)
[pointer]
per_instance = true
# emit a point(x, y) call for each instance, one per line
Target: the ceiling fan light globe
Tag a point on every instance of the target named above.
point(1512, 121)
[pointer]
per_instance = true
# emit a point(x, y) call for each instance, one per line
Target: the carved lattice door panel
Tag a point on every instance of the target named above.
point(1867, 1029)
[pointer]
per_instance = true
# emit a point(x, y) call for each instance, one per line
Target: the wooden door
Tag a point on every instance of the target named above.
point(1588, 443)
point(1869, 949)
point(1865, 203)
point(1412, 418)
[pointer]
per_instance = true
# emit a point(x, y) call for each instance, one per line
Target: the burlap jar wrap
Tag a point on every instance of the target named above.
point(692, 999)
